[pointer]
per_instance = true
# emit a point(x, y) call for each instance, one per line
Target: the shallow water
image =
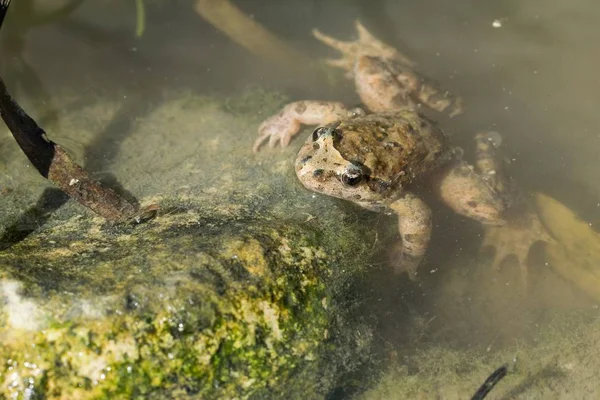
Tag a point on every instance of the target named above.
point(533, 79)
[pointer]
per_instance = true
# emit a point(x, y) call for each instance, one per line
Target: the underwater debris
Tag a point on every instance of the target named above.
point(140, 19)
point(489, 383)
point(575, 254)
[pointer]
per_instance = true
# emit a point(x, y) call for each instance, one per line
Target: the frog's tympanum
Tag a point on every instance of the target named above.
point(381, 160)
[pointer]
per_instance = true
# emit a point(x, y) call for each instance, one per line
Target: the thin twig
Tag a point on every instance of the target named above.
point(53, 162)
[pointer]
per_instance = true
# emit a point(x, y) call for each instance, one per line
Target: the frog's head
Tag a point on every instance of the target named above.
point(321, 168)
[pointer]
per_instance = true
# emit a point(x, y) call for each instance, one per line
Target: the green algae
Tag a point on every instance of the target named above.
point(240, 288)
point(207, 314)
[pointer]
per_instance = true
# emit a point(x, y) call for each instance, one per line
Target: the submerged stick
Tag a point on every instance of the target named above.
point(140, 18)
point(53, 162)
point(248, 33)
point(489, 383)
point(3, 10)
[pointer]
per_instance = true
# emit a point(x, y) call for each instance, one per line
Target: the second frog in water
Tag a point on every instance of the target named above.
point(381, 160)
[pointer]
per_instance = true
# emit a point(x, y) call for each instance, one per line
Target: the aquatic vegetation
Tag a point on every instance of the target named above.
point(230, 292)
point(575, 254)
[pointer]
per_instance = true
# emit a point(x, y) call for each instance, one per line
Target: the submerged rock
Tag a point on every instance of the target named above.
point(240, 288)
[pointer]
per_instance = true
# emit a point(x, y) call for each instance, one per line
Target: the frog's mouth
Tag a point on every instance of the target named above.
point(314, 170)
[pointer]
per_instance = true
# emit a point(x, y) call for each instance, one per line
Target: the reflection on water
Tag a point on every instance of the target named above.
point(525, 69)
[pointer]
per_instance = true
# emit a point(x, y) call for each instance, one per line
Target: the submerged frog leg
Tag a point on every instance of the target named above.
point(365, 45)
point(382, 87)
point(282, 126)
point(522, 230)
point(414, 225)
point(434, 97)
point(469, 193)
point(523, 227)
point(381, 69)
point(489, 164)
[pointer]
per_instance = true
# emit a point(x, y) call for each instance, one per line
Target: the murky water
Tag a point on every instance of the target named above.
point(526, 69)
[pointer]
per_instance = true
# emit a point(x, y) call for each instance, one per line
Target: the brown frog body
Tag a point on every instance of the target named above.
point(377, 160)
point(372, 159)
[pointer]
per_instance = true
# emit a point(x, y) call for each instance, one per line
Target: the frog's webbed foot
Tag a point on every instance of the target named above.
point(281, 127)
point(277, 128)
point(516, 237)
point(365, 45)
point(523, 227)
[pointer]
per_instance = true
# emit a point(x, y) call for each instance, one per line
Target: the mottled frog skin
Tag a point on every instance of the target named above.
point(371, 159)
point(381, 159)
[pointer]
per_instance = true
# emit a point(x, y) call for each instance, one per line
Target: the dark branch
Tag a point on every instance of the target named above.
point(55, 164)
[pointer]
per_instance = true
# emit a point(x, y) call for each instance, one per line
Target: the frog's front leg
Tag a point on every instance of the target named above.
point(282, 126)
point(414, 225)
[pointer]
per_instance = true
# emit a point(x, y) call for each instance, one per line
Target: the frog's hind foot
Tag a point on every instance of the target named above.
point(365, 45)
point(522, 228)
point(516, 238)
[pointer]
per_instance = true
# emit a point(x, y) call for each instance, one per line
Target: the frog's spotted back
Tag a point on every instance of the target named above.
point(397, 148)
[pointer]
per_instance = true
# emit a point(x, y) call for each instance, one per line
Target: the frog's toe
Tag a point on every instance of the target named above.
point(259, 141)
point(276, 138)
point(276, 129)
point(343, 47)
point(366, 39)
point(345, 63)
point(403, 262)
point(515, 240)
point(401, 266)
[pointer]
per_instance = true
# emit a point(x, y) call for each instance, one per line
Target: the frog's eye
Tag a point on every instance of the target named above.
point(318, 132)
point(352, 177)
point(335, 133)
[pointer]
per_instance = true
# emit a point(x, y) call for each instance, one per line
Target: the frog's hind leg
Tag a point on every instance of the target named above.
point(365, 45)
point(470, 193)
point(489, 164)
point(434, 97)
point(282, 126)
point(414, 225)
point(523, 227)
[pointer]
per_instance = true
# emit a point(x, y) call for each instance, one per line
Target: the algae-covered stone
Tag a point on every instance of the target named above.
point(239, 288)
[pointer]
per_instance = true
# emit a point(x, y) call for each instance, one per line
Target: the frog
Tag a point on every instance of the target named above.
point(383, 155)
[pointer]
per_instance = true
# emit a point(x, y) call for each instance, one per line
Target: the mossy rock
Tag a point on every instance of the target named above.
point(240, 288)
